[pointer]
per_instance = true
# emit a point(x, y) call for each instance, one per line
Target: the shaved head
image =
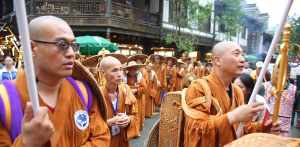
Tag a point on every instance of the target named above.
point(112, 70)
point(107, 62)
point(49, 57)
point(228, 59)
point(39, 27)
point(221, 47)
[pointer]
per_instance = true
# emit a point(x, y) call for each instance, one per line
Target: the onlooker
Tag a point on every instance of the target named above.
point(246, 83)
point(286, 103)
point(8, 72)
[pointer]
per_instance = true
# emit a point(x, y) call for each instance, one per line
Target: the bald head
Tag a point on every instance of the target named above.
point(225, 46)
point(108, 62)
point(39, 27)
point(228, 60)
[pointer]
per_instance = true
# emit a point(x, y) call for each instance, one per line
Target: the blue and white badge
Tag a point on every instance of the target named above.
point(115, 130)
point(81, 119)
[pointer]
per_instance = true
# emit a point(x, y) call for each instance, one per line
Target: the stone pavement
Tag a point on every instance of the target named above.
point(148, 126)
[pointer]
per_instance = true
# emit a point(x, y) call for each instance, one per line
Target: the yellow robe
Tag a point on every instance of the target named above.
point(126, 103)
point(215, 131)
point(66, 133)
point(150, 92)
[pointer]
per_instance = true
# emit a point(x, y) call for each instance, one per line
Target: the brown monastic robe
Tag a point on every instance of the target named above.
point(150, 91)
point(126, 103)
point(66, 133)
point(140, 96)
point(199, 71)
point(161, 72)
point(171, 78)
point(180, 73)
point(214, 131)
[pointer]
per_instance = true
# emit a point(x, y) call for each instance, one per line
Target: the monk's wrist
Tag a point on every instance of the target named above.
point(27, 143)
point(231, 118)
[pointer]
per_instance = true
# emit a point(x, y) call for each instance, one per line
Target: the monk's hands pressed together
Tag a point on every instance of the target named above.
point(121, 119)
point(244, 113)
point(36, 130)
point(124, 120)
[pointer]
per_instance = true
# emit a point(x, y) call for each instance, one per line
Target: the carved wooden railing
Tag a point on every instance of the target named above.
point(94, 13)
point(169, 130)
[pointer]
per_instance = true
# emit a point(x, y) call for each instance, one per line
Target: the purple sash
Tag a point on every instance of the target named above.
point(89, 92)
point(15, 109)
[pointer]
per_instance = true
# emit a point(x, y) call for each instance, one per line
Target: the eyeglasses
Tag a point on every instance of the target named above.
point(62, 45)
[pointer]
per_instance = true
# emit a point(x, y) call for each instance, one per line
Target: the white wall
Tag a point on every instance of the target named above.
point(166, 11)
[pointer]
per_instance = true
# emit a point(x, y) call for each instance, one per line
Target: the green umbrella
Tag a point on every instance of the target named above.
point(91, 45)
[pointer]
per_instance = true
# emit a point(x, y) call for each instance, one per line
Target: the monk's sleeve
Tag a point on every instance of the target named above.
point(99, 134)
point(5, 140)
point(252, 127)
point(132, 111)
point(210, 130)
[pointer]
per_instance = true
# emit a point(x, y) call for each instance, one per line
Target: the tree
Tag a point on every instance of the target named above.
point(295, 36)
point(229, 14)
point(183, 12)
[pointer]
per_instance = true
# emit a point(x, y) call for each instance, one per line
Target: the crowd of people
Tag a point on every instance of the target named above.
point(106, 105)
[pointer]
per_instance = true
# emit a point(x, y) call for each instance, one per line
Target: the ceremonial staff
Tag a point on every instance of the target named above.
point(279, 75)
point(262, 73)
point(26, 45)
point(271, 51)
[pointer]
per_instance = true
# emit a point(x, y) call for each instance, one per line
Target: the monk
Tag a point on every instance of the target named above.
point(215, 105)
point(160, 70)
point(149, 83)
point(180, 73)
point(137, 84)
point(120, 102)
point(151, 80)
point(171, 73)
point(199, 70)
point(207, 68)
point(61, 119)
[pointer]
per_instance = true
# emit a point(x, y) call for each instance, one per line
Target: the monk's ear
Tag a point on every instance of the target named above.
point(34, 48)
point(217, 60)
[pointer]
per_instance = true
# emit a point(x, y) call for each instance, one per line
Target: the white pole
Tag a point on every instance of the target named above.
point(275, 40)
point(28, 63)
point(271, 51)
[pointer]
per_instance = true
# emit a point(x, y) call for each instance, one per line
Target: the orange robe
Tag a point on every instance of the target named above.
point(126, 103)
point(215, 131)
point(161, 72)
point(171, 78)
point(180, 73)
point(66, 133)
point(199, 72)
point(139, 88)
point(150, 91)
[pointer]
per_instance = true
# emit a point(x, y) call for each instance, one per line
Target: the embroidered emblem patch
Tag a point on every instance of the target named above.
point(115, 130)
point(81, 119)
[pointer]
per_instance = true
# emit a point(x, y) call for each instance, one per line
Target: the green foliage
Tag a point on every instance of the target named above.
point(295, 36)
point(183, 12)
point(199, 13)
point(229, 13)
point(183, 42)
